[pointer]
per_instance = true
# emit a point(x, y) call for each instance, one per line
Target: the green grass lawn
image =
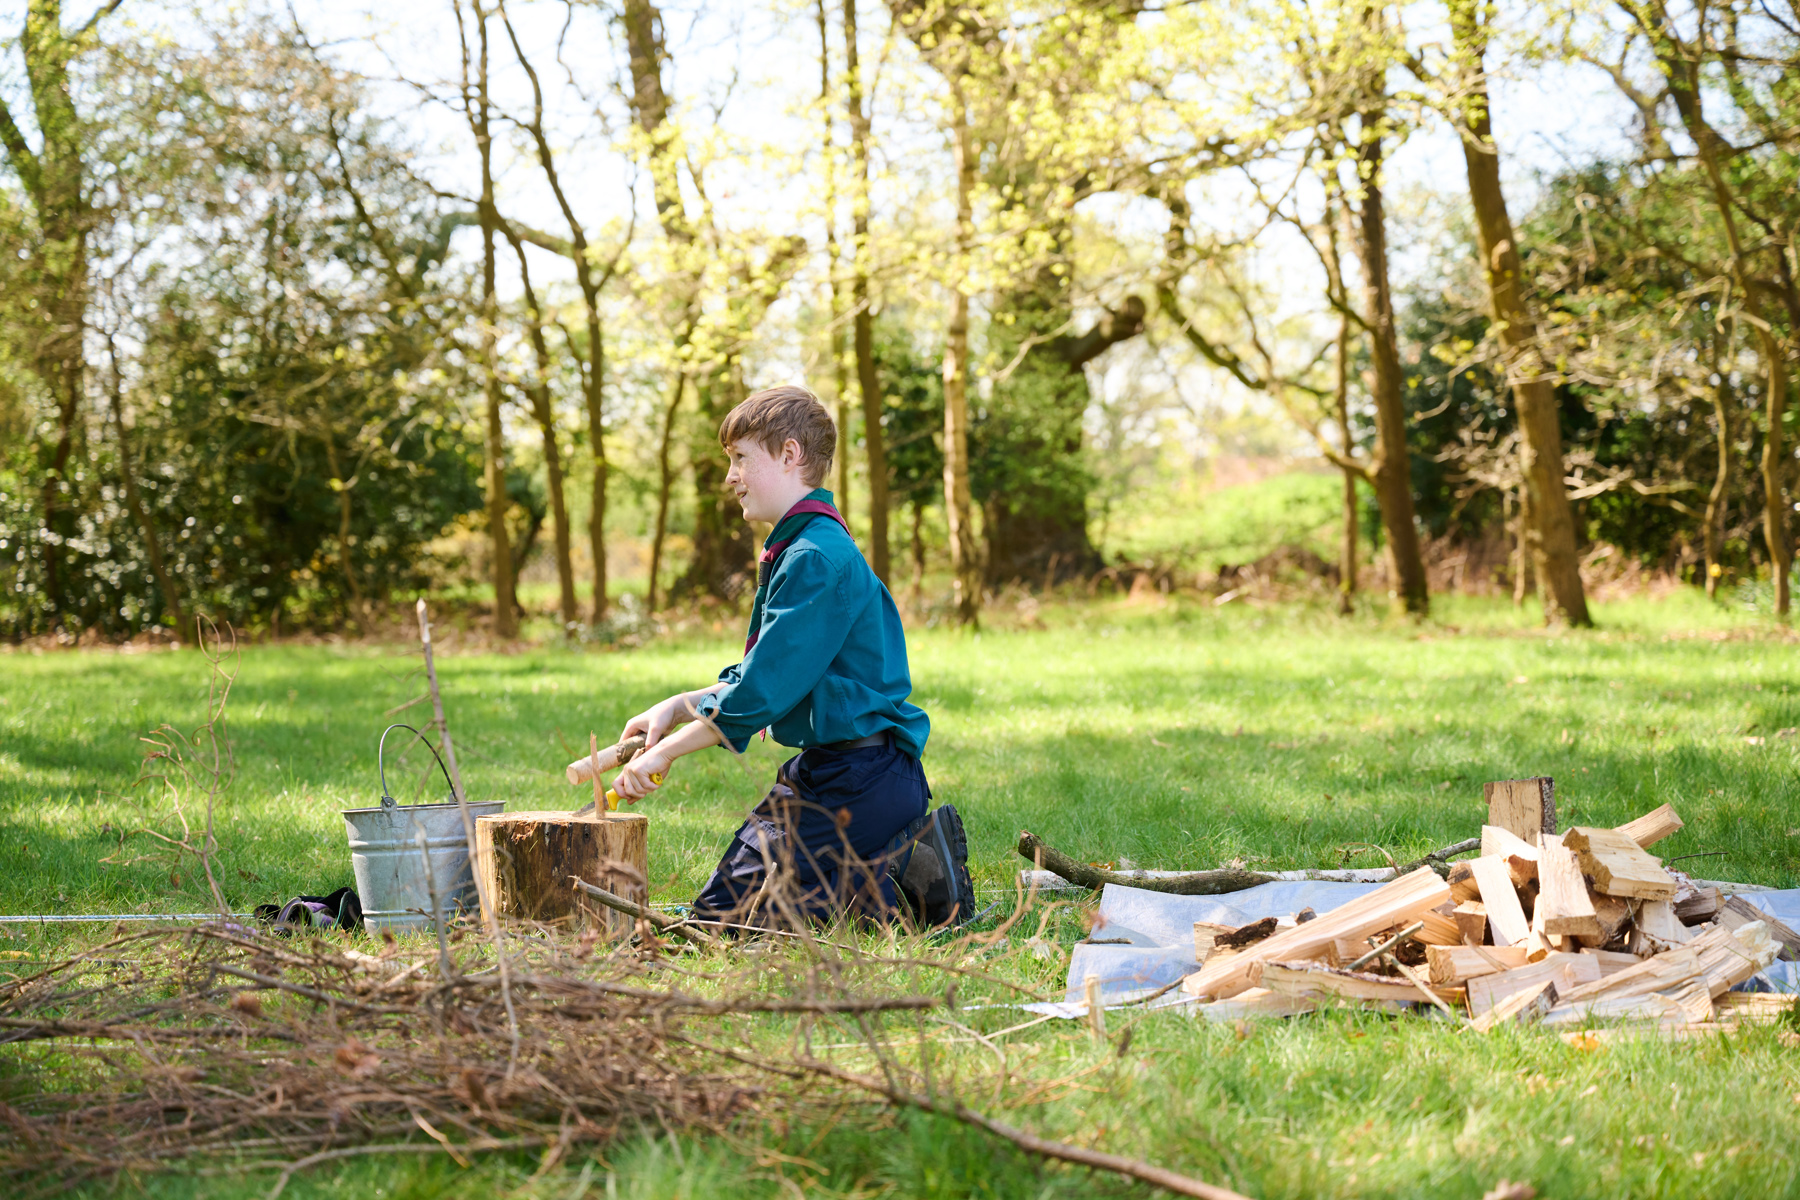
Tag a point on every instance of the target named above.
point(1175, 736)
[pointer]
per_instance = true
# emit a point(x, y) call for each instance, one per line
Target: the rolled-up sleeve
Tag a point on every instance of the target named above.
point(802, 631)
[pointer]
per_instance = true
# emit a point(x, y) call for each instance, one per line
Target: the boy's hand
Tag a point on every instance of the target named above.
point(655, 722)
point(635, 782)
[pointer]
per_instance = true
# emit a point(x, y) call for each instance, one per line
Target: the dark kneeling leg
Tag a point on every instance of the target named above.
point(814, 846)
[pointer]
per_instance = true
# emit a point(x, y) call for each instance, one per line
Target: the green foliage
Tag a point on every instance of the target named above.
point(1204, 530)
point(912, 418)
point(293, 409)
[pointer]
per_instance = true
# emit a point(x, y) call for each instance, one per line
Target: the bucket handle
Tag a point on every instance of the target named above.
point(388, 801)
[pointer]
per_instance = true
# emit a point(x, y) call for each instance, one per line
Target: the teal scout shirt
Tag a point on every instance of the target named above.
point(829, 659)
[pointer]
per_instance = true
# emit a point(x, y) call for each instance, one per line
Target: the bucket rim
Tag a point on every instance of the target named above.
point(425, 808)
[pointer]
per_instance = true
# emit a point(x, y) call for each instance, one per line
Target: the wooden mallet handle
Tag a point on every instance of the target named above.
point(582, 769)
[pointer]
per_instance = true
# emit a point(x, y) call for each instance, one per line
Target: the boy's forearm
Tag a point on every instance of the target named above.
point(684, 712)
point(696, 736)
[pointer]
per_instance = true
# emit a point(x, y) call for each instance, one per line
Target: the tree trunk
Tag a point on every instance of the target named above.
point(1392, 477)
point(1773, 459)
point(839, 372)
point(593, 379)
point(54, 177)
point(1524, 576)
point(918, 554)
point(665, 481)
point(966, 571)
point(1030, 476)
point(1552, 527)
point(1681, 66)
point(506, 620)
point(1715, 500)
point(1347, 550)
point(539, 392)
point(862, 320)
point(135, 502)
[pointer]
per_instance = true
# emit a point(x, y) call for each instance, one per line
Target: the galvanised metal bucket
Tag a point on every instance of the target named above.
point(402, 884)
point(412, 861)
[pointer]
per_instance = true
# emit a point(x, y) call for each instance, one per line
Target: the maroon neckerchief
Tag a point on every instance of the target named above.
point(765, 566)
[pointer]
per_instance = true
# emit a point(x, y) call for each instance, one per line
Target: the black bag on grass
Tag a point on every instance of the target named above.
point(340, 910)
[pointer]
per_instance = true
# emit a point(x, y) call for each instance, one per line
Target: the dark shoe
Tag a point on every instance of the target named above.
point(930, 868)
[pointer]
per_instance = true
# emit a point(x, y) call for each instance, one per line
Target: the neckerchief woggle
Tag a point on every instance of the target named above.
point(790, 525)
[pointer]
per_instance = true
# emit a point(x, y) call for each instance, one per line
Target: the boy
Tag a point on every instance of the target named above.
point(824, 669)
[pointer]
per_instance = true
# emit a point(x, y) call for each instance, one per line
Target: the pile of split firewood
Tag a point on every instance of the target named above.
point(1560, 928)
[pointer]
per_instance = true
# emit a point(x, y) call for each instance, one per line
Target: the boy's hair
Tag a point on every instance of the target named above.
point(774, 415)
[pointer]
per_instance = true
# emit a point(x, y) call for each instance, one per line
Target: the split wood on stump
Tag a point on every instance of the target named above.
point(525, 860)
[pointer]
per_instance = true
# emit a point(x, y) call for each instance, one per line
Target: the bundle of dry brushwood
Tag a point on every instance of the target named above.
point(1560, 928)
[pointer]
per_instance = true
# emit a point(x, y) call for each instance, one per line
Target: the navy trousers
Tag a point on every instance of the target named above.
point(815, 846)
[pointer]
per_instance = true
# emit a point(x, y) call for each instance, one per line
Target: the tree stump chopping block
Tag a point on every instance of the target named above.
point(524, 860)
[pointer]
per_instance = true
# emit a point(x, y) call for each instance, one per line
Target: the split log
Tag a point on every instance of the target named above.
point(1653, 826)
point(1652, 975)
point(1618, 865)
point(1540, 945)
point(1522, 806)
point(1700, 907)
point(1521, 856)
point(1462, 883)
point(1256, 1002)
point(1568, 971)
point(1440, 930)
point(1728, 957)
point(1523, 1007)
point(525, 860)
point(1738, 912)
point(1613, 961)
point(1451, 965)
point(1656, 920)
point(1317, 979)
point(1613, 913)
point(1471, 922)
point(1391, 904)
point(1506, 918)
point(1199, 883)
point(1684, 1004)
point(1563, 904)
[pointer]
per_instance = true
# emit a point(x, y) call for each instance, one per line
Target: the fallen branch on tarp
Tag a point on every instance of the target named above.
point(1438, 859)
point(1199, 883)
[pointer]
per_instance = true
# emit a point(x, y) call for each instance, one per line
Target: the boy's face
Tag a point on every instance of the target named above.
point(767, 485)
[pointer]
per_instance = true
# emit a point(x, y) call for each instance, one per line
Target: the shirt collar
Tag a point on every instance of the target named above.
point(791, 521)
